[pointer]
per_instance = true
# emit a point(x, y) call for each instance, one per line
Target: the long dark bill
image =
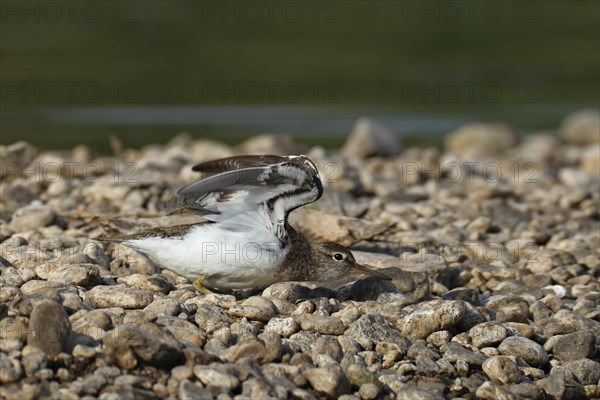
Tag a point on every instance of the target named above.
point(368, 271)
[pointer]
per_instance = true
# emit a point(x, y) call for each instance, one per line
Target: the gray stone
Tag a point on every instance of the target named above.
point(489, 391)
point(454, 353)
point(476, 141)
point(117, 296)
point(189, 391)
point(585, 370)
point(487, 334)
point(32, 217)
point(527, 349)
point(10, 369)
point(212, 377)
point(368, 391)
point(254, 350)
point(323, 325)
point(432, 316)
point(370, 138)
point(152, 283)
point(129, 345)
point(166, 306)
point(329, 382)
point(49, 327)
point(554, 384)
point(284, 327)
point(502, 369)
point(574, 346)
point(581, 127)
point(286, 291)
point(74, 274)
point(252, 313)
point(371, 329)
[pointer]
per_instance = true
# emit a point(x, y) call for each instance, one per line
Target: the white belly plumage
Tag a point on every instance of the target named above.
point(229, 259)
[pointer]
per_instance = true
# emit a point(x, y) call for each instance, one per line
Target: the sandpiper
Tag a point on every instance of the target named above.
point(246, 241)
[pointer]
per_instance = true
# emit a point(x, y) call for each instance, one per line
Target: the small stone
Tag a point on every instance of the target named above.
point(371, 329)
point(585, 370)
point(211, 377)
point(432, 316)
point(33, 360)
point(117, 296)
point(489, 391)
point(323, 325)
point(502, 369)
point(49, 327)
point(574, 346)
point(527, 349)
point(190, 391)
point(131, 344)
point(10, 369)
point(254, 350)
point(554, 384)
point(581, 127)
point(284, 327)
point(74, 274)
point(32, 217)
point(152, 283)
point(488, 334)
point(370, 138)
point(252, 313)
point(167, 306)
point(455, 353)
point(358, 376)
point(368, 391)
point(476, 141)
point(285, 291)
point(329, 346)
point(439, 338)
point(330, 382)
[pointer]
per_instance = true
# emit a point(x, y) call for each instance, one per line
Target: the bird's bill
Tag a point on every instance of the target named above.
point(371, 272)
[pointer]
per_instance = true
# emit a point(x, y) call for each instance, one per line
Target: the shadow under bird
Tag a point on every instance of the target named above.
point(246, 240)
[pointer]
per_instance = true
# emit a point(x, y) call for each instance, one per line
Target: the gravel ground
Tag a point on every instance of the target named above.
point(493, 244)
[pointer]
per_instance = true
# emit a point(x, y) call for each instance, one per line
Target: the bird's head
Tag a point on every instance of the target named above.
point(336, 261)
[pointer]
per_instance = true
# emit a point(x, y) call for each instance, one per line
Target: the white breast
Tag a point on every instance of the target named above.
point(230, 259)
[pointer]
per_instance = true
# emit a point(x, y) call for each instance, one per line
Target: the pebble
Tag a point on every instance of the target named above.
point(284, 327)
point(371, 329)
point(586, 371)
point(117, 296)
point(432, 316)
point(502, 369)
point(329, 382)
point(212, 377)
point(252, 313)
point(323, 325)
point(575, 346)
point(488, 334)
point(130, 344)
point(531, 352)
point(49, 327)
point(32, 217)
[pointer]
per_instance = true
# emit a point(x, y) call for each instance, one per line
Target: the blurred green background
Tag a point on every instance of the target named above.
point(76, 72)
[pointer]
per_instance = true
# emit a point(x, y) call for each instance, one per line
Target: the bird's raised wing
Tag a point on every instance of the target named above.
point(255, 189)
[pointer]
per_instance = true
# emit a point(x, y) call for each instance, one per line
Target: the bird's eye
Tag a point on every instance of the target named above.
point(338, 256)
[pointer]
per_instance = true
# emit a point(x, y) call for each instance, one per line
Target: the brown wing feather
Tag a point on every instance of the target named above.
point(237, 162)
